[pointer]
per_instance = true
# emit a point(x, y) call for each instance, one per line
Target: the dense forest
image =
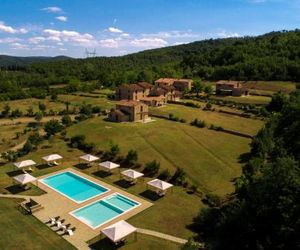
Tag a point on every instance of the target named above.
point(273, 56)
point(264, 211)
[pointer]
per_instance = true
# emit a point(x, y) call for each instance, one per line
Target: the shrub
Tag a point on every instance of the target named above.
point(53, 127)
point(77, 141)
point(179, 177)
point(131, 158)
point(66, 120)
point(198, 123)
point(164, 175)
point(182, 120)
point(96, 109)
point(151, 168)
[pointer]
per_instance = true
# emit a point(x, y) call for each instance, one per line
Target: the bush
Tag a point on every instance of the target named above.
point(66, 120)
point(182, 120)
point(77, 141)
point(179, 177)
point(198, 123)
point(96, 109)
point(151, 168)
point(53, 127)
point(131, 158)
point(164, 175)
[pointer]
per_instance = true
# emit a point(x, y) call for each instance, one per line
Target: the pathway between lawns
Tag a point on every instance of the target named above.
point(161, 235)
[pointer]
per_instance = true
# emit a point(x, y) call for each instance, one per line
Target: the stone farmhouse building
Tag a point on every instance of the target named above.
point(129, 111)
point(231, 88)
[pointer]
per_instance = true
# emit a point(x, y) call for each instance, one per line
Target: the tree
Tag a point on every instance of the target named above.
point(66, 120)
point(277, 102)
point(53, 127)
point(208, 90)
point(152, 168)
point(38, 116)
point(131, 157)
point(114, 150)
point(42, 107)
point(179, 177)
point(6, 110)
point(197, 88)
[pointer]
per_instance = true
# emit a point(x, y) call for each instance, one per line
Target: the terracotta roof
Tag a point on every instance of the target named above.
point(183, 80)
point(132, 87)
point(145, 85)
point(153, 98)
point(166, 80)
point(129, 103)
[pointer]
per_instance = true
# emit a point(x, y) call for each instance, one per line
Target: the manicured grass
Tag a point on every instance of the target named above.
point(142, 242)
point(251, 99)
point(19, 231)
point(209, 158)
point(272, 86)
point(245, 125)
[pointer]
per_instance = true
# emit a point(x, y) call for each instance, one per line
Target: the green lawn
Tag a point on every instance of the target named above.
point(210, 158)
point(250, 99)
point(25, 232)
point(245, 125)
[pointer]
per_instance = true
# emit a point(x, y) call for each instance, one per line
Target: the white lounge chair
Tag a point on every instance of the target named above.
point(55, 163)
point(59, 224)
point(52, 221)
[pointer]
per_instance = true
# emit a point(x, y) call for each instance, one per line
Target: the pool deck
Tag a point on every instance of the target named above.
point(56, 204)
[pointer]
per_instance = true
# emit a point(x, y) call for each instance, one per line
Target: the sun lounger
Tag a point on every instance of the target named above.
point(55, 163)
point(70, 231)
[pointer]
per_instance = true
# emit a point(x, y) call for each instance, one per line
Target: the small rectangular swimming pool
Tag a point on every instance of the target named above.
point(104, 210)
point(73, 186)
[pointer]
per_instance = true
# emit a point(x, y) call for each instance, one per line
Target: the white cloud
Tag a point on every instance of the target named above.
point(70, 36)
point(109, 43)
point(149, 42)
point(62, 18)
point(19, 46)
point(53, 9)
point(114, 30)
point(173, 34)
point(36, 39)
point(8, 29)
point(227, 34)
point(10, 40)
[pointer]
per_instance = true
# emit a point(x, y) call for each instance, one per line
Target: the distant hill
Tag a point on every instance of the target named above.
point(6, 61)
point(274, 56)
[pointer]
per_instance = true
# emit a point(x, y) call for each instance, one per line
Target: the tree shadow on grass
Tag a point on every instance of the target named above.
point(14, 173)
point(82, 166)
point(150, 195)
point(43, 166)
point(105, 243)
point(102, 174)
point(244, 158)
point(123, 184)
point(15, 189)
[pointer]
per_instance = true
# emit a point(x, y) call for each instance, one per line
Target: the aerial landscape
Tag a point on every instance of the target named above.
point(150, 124)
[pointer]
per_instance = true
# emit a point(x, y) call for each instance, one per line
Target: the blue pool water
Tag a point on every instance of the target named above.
point(73, 186)
point(104, 210)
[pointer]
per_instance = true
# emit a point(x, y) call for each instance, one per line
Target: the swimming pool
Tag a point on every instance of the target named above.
point(104, 210)
point(73, 186)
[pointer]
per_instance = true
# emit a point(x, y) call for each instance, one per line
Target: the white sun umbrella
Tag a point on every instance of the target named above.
point(118, 231)
point(23, 164)
point(24, 178)
point(89, 158)
point(108, 165)
point(52, 157)
point(159, 184)
point(131, 174)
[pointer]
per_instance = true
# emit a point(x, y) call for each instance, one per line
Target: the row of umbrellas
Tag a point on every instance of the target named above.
point(128, 174)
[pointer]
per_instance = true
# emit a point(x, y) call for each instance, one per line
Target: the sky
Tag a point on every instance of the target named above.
point(118, 27)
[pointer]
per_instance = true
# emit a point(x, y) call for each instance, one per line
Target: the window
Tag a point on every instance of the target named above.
point(141, 108)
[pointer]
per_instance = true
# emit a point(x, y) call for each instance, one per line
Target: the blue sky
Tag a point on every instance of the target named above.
point(117, 27)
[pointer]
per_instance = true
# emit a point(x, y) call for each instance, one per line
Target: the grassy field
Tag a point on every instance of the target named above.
point(8, 136)
point(210, 158)
point(245, 125)
point(75, 100)
point(26, 232)
point(251, 99)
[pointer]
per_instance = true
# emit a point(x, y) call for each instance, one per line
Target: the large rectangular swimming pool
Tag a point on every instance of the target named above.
point(73, 186)
point(104, 210)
